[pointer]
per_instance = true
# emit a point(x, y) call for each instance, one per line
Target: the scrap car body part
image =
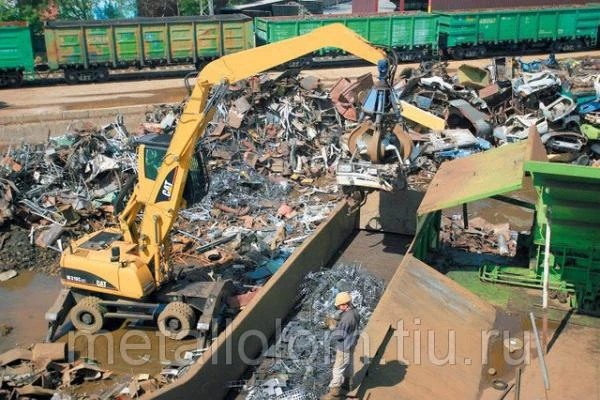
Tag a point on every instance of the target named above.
point(564, 141)
point(558, 109)
point(477, 119)
point(516, 128)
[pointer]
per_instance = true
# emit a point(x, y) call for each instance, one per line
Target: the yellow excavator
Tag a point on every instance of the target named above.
point(125, 272)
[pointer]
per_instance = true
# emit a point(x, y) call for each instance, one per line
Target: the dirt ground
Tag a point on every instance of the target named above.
point(16, 252)
point(573, 367)
point(61, 97)
point(39, 100)
point(25, 299)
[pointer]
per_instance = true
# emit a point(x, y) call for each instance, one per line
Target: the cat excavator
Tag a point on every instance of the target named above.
point(124, 272)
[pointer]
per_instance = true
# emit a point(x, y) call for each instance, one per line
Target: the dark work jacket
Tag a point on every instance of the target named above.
point(345, 334)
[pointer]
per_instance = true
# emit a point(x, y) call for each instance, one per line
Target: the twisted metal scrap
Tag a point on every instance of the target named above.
point(304, 351)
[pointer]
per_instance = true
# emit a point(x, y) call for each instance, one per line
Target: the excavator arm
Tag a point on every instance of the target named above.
point(159, 202)
point(124, 272)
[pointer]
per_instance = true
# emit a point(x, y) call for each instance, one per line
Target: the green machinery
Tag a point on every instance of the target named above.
point(569, 203)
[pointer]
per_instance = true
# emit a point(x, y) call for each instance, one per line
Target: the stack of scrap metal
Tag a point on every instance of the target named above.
point(44, 372)
point(496, 105)
point(299, 362)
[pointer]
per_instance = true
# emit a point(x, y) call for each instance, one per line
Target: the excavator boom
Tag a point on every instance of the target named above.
point(163, 199)
point(125, 272)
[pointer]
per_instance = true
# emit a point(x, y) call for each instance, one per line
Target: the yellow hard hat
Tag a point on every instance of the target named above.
point(342, 298)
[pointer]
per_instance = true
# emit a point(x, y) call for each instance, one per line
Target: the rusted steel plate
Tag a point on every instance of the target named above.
point(482, 175)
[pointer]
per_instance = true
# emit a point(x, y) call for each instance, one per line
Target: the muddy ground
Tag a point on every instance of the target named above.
point(16, 252)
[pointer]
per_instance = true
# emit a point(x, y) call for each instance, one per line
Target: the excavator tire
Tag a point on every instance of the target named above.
point(176, 321)
point(88, 315)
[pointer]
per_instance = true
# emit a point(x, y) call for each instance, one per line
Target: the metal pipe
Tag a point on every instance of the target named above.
point(546, 281)
point(518, 384)
point(546, 265)
point(540, 352)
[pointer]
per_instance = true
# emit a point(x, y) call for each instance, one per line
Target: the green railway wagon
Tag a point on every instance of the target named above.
point(16, 53)
point(87, 50)
point(412, 35)
point(473, 33)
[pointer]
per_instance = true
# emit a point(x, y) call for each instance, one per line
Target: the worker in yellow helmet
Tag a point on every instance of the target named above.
point(345, 337)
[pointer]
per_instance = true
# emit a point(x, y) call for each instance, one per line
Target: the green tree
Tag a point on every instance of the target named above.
point(194, 7)
point(76, 9)
point(8, 10)
point(29, 11)
point(108, 9)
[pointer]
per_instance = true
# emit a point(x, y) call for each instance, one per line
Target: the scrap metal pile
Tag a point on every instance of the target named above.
point(271, 150)
point(275, 145)
point(477, 243)
point(298, 364)
point(43, 372)
point(59, 189)
point(479, 236)
point(487, 107)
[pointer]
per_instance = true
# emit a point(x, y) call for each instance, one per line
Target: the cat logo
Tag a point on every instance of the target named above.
point(166, 190)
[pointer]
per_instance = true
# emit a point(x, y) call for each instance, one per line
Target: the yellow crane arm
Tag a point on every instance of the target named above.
point(161, 203)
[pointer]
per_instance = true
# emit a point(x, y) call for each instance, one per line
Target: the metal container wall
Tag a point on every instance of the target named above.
point(64, 47)
point(145, 41)
point(155, 39)
point(100, 44)
point(16, 51)
point(127, 41)
point(401, 31)
point(447, 5)
point(237, 36)
point(182, 42)
point(518, 25)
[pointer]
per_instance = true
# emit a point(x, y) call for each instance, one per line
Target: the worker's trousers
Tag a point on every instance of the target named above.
point(342, 368)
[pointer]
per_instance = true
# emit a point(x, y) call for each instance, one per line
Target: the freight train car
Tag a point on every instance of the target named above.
point(86, 50)
point(474, 33)
point(16, 54)
point(412, 35)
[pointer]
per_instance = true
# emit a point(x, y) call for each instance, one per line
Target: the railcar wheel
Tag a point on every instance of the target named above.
point(458, 53)
point(102, 74)
point(71, 76)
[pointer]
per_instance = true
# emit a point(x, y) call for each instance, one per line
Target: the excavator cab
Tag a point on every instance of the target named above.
point(151, 153)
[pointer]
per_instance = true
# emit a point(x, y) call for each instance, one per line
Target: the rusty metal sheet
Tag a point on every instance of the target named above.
point(473, 77)
point(421, 299)
point(482, 175)
point(489, 90)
